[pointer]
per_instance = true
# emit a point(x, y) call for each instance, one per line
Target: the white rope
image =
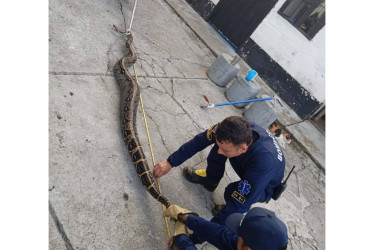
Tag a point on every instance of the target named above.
point(132, 16)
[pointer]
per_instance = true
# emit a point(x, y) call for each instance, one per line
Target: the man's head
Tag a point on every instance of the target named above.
point(259, 229)
point(233, 136)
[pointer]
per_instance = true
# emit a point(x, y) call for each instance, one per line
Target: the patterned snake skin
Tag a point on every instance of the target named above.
point(129, 102)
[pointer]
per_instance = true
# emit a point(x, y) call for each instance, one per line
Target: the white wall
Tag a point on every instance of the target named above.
point(303, 59)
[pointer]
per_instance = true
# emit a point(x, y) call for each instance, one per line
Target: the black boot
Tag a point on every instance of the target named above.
point(199, 176)
point(217, 209)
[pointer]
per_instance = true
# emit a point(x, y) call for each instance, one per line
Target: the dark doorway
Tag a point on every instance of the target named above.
point(237, 20)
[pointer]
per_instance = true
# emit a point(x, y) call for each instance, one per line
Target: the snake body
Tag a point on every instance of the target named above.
point(130, 92)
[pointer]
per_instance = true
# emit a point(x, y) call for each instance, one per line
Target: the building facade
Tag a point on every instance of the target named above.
point(283, 40)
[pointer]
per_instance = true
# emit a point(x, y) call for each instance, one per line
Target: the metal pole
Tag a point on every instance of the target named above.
point(246, 101)
point(235, 60)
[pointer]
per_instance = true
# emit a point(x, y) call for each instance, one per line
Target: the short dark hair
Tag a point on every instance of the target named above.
point(234, 129)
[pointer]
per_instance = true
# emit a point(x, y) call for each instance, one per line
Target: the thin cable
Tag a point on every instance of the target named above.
point(132, 16)
point(150, 146)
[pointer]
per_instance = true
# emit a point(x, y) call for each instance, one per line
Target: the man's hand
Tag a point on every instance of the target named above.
point(176, 212)
point(161, 169)
point(179, 229)
point(171, 242)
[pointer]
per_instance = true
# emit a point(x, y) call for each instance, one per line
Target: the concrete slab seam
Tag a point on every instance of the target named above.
point(60, 227)
point(174, 77)
point(78, 73)
point(112, 75)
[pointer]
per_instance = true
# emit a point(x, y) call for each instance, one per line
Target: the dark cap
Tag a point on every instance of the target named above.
point(259, 228)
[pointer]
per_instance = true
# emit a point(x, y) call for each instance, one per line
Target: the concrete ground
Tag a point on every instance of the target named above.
point(96, 200)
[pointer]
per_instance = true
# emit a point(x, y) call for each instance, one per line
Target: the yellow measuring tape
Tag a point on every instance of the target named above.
point(153, 158)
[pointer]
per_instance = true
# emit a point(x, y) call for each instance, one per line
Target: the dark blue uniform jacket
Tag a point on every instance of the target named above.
point(260, 169)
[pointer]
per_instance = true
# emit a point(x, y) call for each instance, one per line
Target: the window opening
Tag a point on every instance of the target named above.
point(308, 16)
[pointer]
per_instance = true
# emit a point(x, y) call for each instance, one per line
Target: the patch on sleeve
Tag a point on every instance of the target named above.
point(211, 132)
point(243, 192)
point(244, 187)
point(237, 196)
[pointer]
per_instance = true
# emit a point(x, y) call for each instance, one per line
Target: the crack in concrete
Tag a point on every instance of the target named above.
point(143, 52)
point(109, 92)
point(123, 14)
point(140, 61)
point(172, 88)
point(108, 67)
point(179, 104)
point(155, 62)
point(150, 87)
point(171, 57)
point(312, 239)
point(307, 243)
point(176, 67)
point(297, 184)
point(159, 132)
point(161, 84)
point(60, 15)
point(152, 66)
point(60, 227)
point(140, 57)
point(149, 65)
point(157, 45)
point(180, 71)
point(168, 59)
point(184, 60)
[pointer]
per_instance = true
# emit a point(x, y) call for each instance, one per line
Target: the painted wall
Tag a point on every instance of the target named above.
point(303, 59)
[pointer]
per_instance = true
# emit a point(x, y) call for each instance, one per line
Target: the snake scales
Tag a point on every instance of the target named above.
point(130, 93)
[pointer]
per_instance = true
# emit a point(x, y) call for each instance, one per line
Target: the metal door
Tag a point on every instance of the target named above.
point(236, 20)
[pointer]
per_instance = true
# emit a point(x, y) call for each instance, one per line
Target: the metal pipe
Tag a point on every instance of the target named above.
point(211, 105)
point(245, 101)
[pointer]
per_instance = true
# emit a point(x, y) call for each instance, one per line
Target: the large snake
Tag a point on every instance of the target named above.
point(130, 93)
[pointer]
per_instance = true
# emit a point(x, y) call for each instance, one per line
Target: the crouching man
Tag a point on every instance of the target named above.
point(258, 229)
point(253, 153)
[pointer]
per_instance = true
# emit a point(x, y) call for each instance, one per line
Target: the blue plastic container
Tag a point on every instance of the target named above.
point(251, 74)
